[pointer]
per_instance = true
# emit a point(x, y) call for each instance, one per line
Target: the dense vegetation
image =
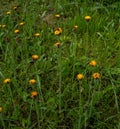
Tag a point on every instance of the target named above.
point(59, 64)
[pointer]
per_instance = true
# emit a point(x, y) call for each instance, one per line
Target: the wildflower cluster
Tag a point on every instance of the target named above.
point(96, 75)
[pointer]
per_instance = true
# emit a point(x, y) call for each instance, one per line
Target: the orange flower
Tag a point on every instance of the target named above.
point(8, 13)
point(21, 23)
point(7, 80)
point(0, 109)
point(57, 44)
point(16, 31)
point(32, 81)
point(75, 27)
point(15, 7)
point(96, 75)
point(87, 18)
point(93, 63)
point(35, 57)
point(57, 15)
point(37, 34)
point(3, 26)
point(58, 31)
point(80, 76)
point(34, 94)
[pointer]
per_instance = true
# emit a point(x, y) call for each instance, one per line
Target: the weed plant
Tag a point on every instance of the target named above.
point(59, 64)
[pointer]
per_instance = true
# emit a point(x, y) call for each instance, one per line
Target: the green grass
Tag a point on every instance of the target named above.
point(63, 101)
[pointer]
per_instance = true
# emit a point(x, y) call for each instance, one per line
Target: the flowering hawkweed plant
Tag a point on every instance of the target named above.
point(57, 15)
point(16, 31)
point(8, 13)
point(93, 63)
point(37, 34)
point(57, 44)
point(58, 31)
point(96, 75)
point(35, 57)
point(7, 80)
point(34, 94)
point(87, 18)
point(32, 81)
point(0, 109)
point(21, 23)
point(80, 76)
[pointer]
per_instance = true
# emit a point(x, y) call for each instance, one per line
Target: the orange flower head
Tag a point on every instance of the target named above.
point(32, 81)
point(93, 63)
point(37, 34)
point(35, 57)
point(34, 94)
point(3, 26)
point(80, 76)
point(8, 13)
point(15, 7)
point(87, 18)
point(21, 23)
point(96, 75)
point(57, 44)
point(75, 27)
point(7, 80)
point(57, 15)
point(16, 31)
point(58, 31)
point(0, 109)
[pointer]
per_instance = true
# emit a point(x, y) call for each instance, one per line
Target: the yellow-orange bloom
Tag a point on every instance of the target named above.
point(21, 23)
point(87, 18)
point(0, 109)
point(57, 44)
point(16, 31)
point(58, 31)
point(93, 63)
point(35, 57)
point(37, 34)
point(3, 26)
point(7, 80)
point(15, 7)
point(32, 81)
point(80, 76)
point(75, 27)
point(57, 15)
point(96, 75)
point(34, 94)
point(8, 13)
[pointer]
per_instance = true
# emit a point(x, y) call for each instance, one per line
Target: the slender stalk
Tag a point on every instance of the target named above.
point(2, 121)
point(60, 77)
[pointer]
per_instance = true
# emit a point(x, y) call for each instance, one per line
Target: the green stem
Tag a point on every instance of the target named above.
point(60, 78)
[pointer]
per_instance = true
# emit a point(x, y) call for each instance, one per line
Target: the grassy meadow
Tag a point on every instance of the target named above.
point(59, 64)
